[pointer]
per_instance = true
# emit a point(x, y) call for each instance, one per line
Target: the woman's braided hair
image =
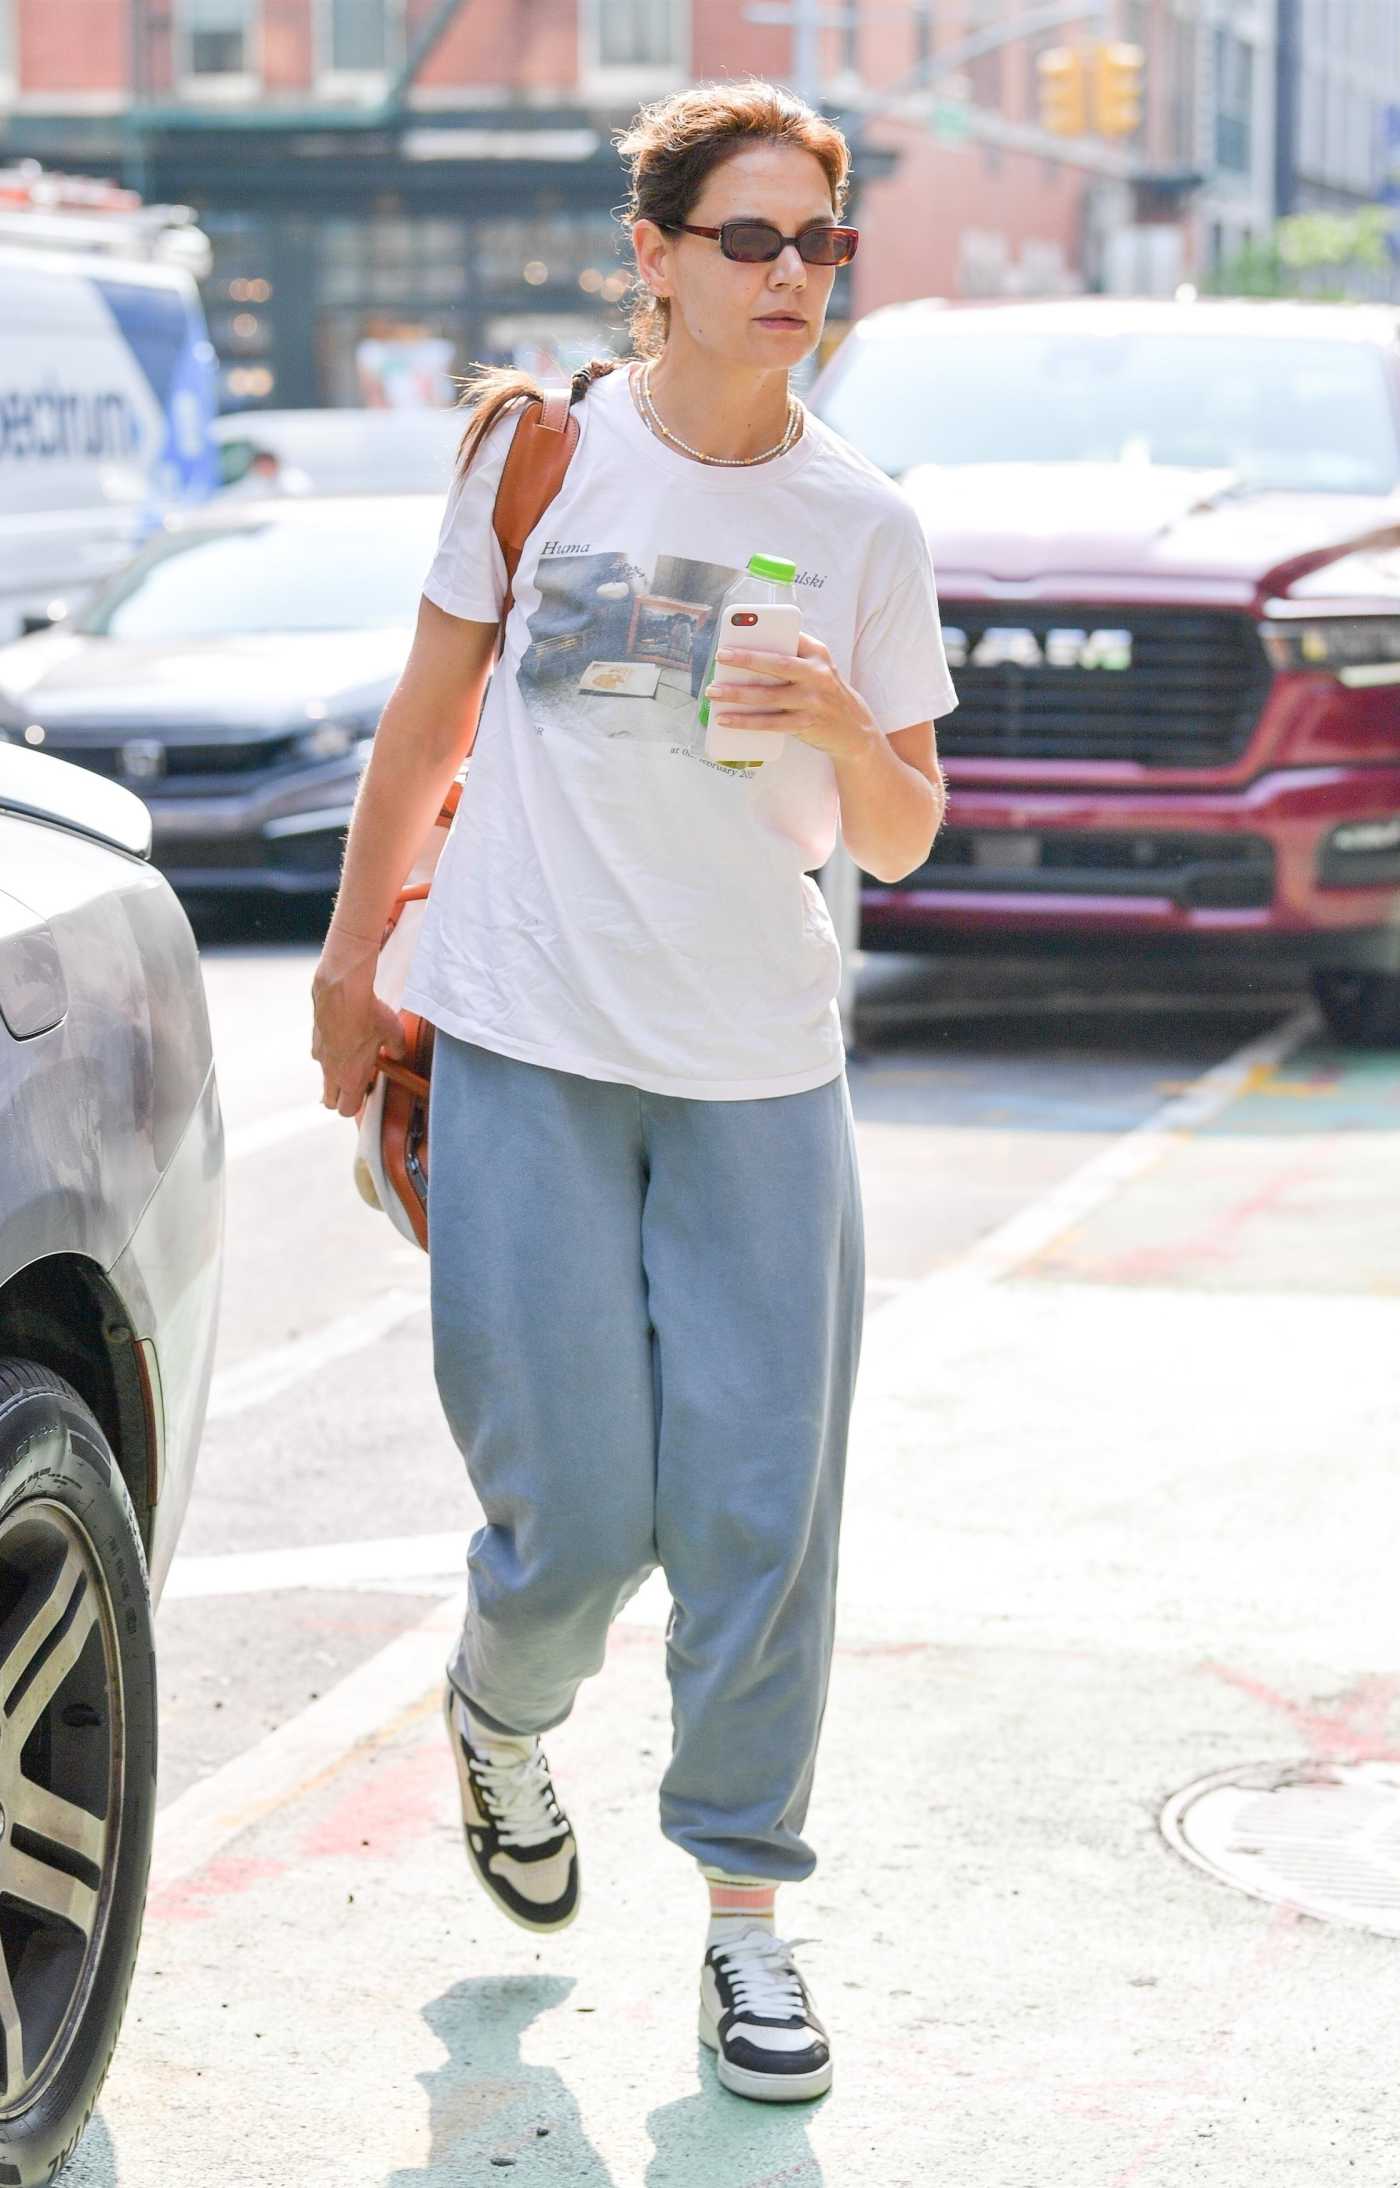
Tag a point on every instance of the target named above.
point(669, 149)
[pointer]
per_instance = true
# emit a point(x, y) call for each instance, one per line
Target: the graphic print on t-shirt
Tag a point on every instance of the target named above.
point(618, 651)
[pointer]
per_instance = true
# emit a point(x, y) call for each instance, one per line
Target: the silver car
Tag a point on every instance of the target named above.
point(111, 1229)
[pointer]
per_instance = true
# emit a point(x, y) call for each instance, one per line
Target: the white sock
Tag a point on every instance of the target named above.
point(487, 1740)
point(738, 1903)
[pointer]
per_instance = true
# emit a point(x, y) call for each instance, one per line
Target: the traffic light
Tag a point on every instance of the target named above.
point(1060, 82)
point(1117, 89)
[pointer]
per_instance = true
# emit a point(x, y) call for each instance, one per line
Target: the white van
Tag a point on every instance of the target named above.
point(107, 392)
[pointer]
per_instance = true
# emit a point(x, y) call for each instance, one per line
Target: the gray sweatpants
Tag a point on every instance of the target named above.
point(646, 1319)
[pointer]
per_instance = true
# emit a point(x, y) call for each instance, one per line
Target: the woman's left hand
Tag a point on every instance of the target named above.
point(806, 695)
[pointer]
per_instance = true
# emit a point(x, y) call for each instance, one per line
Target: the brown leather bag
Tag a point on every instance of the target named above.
point(391, 1162)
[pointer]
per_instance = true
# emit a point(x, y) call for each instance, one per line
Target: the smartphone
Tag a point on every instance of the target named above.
point(765, 627)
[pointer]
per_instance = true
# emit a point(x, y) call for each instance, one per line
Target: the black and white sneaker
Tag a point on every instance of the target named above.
point(757, 2014)
point(519, 1839)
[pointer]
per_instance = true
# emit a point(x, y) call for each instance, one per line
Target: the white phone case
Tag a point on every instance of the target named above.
point(766, 627)
point(776, 628)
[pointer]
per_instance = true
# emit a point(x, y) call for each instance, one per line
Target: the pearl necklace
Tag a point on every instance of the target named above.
point(642, 383)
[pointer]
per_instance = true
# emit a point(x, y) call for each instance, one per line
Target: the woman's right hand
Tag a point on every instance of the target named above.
point(350, 1022)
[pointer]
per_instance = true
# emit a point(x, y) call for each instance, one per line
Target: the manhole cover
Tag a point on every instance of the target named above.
point(1319, 1836)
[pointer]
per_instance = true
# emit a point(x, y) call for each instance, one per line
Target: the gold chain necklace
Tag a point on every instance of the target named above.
point(642, 383)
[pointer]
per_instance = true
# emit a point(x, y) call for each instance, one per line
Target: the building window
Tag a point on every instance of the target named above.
point(1313, 123)
point(549, 248)
point(923, 32)
point(985, 72)
point(358, 42)
point(240, 305)
point(638, 34)
point(1334, 151)
point(1234, 101)
point(411, 299)
point(218, 37)
point(1134, 27)
point(1182, 123)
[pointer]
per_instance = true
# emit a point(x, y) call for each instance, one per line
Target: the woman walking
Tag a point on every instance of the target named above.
point(645, 1244)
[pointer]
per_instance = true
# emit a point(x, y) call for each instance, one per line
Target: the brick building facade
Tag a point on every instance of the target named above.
point(468, 208)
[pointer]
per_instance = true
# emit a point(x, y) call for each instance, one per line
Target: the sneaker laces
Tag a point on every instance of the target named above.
point(763, 1976)
point(521, 1797)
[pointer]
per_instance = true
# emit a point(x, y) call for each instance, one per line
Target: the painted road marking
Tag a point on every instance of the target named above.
point(283, 1124)
point(404, 1564)
point(921, 1311)
point(331, 1565)
point(365, 1707)
point(908, 1311)
point(268, 1373)
point(1038, 1225)
point(1109, 1003)
point(993, 1257)
point(357, 1714)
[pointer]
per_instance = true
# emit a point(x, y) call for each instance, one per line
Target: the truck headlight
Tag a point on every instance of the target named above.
point(1361, 854)
point(1357, 649)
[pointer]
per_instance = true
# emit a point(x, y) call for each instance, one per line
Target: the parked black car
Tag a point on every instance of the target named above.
point(233, 675)
point(111, 1229)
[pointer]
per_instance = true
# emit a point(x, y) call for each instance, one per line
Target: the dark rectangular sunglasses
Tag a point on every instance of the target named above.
point(754, 241)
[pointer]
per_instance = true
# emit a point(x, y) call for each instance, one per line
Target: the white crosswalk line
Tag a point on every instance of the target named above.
point(268, 1373)
point(396, 1558)
point(915, 1313)
point(283, 1124)
point(359, 1711)
point(403, 1676)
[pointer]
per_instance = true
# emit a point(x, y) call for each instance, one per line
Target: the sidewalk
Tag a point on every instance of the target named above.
point(1100, 1539)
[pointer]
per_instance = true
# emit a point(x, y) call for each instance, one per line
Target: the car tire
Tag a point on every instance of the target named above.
point(77, 1764)
point(1362, 1009)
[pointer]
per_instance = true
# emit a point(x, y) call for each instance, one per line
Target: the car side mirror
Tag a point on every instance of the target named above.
point(234, 459)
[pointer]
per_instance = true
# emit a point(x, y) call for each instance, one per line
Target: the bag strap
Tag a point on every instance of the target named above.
point(536, 461)
point(532, 475)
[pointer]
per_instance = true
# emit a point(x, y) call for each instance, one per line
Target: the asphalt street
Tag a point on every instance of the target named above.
point(1120, 1514)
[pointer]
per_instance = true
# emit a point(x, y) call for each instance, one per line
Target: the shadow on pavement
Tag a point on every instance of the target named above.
point(713, 2137)
point(94, 2162)
point(255, 919)
point(487, 2106)
point(1051, 1048)
point(1067, 1000)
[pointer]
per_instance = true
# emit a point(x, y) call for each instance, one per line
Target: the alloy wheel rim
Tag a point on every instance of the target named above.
point(62, 1749)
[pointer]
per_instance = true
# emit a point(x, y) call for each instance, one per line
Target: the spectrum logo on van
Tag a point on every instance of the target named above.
point(67, 424)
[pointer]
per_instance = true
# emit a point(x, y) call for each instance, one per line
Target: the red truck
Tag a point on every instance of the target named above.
point(1167, 540)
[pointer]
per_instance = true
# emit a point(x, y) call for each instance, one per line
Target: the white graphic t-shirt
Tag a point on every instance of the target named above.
point(609, 901)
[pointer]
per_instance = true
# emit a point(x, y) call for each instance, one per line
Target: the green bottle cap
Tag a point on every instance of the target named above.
point(774, 566)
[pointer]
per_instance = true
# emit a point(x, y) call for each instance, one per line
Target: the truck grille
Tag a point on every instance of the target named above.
point(1187, 693)
point(1215, 872)
point(192, 759)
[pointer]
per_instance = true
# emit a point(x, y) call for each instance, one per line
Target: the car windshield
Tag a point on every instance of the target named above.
point(352, 451)
point(277, 574)
point(1306, 416)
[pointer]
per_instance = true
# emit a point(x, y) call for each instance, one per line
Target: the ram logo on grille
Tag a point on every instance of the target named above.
point(1005, 646)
